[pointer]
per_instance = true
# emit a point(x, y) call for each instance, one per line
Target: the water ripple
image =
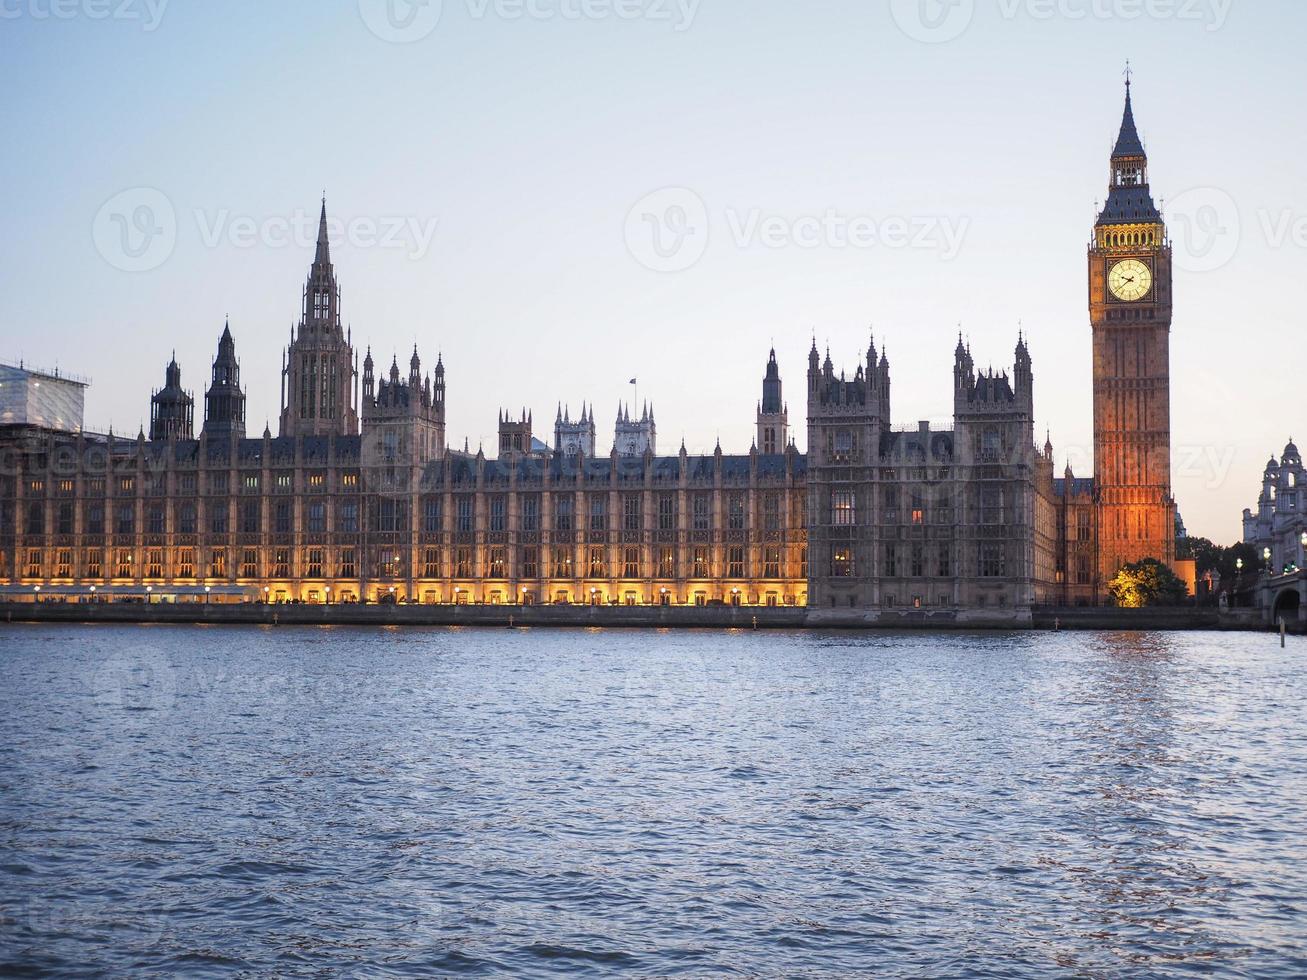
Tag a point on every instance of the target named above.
point(222, 802)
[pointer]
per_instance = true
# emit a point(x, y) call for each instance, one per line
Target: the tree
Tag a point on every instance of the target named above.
point(1146, 583)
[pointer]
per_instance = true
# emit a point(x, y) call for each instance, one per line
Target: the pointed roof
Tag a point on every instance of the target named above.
point(323, 256)
point(1128, 143)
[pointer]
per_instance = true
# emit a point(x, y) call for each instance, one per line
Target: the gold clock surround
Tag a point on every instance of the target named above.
point(1130, 280)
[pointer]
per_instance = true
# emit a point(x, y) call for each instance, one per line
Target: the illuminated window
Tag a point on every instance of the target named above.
point(701, 569)
point(666, 563)
point(843, 508)
point(562, 563)
point(842, 563)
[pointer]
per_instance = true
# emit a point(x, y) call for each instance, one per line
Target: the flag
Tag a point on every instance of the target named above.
point(633, 381)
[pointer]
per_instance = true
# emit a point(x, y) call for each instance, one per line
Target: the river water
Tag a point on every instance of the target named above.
point(220, 801)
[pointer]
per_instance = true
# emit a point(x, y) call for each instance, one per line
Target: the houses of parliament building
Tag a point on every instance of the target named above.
point(359, 498)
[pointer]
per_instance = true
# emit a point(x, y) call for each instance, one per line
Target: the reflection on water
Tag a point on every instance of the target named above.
point(287, 801)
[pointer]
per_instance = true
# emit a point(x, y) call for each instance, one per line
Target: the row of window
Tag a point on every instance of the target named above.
point(156, 484)
point(844, 507)
point(391, 515)
point(391, 563)
point(249, 520)
point(917, 561)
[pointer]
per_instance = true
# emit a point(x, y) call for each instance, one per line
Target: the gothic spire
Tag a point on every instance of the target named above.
point(1128, 143)
point(323, 256)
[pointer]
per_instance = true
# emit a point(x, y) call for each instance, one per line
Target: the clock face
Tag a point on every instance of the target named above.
point(1130, 281)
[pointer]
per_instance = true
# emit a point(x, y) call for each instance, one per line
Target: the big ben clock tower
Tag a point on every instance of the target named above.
point(1130, 311)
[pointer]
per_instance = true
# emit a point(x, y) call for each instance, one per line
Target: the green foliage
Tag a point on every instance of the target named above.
point(1221, 560)
point(1146, 583)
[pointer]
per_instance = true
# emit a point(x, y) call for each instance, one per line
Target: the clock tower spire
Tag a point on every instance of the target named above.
point(1130, 313)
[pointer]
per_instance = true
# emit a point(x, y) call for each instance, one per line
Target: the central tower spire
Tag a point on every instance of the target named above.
point(318, 394)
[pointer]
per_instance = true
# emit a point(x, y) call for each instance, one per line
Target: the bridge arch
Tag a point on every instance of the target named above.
point(1289, 605)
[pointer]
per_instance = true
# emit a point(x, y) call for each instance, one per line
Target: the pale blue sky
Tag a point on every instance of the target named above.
point(530, 139)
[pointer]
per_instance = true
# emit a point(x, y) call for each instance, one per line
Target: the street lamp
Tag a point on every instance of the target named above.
point(266, 590)
point(207, 590)
point(327, 589)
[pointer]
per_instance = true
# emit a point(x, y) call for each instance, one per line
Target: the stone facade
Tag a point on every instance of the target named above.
point(360, 498)
point(1277, 529)
point(956, 523)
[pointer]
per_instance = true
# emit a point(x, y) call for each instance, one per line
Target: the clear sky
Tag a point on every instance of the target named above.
point(836, 165)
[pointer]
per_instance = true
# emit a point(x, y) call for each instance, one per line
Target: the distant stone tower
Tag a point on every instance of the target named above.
point(635, 437)
point(318, 368)
point(773, 414)
point(224, 402)
point(403, 422)
point(172, 409)
point(1130, 311)
point(514, 435)
point(994, 413)
point(575, 438)
point(846, 420)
